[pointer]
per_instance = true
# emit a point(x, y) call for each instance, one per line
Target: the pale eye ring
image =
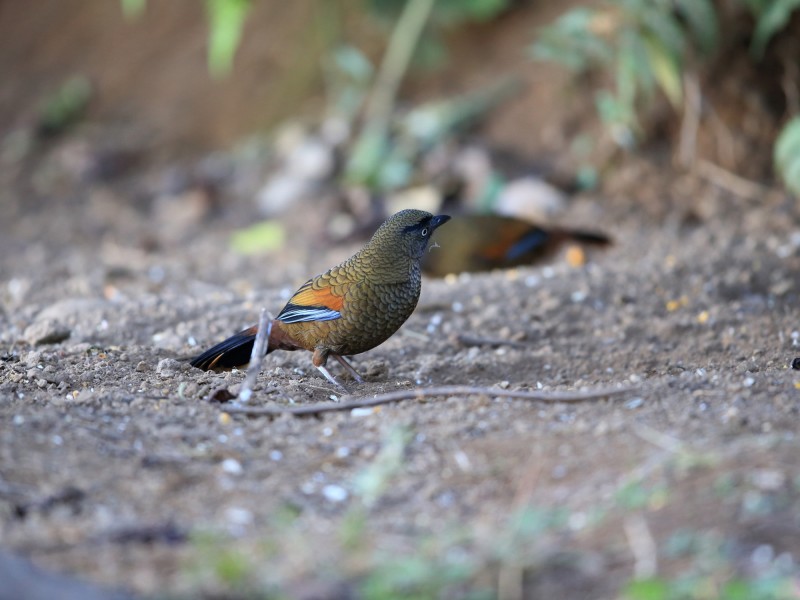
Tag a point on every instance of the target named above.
point(424, 231)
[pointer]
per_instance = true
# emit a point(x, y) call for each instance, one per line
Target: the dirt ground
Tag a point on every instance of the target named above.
point(116, 468)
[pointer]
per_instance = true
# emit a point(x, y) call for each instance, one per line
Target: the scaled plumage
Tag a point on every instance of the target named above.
point(484, 242)
point(352, 307)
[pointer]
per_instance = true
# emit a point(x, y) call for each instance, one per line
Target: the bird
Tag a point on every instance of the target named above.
point(482, 242)
point(350, 308)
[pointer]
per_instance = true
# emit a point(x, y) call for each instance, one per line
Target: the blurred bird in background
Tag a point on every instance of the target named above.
point(484, 242)
point(350, 308)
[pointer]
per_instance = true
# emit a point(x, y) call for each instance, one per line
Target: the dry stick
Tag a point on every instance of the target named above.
point(474, 340)
point(257, 356)
point(419, 393)
point(690, 125)
point(744, 188)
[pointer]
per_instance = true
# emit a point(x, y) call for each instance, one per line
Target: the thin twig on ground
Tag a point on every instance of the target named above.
point(744, 188)
point(420, 393)
point(643, 546)
point(475, 340)
point(257, 356)
point(658, 438)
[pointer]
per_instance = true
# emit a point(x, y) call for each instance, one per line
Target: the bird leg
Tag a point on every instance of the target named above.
point(331, 378)
point(348, 367)
point(318, 359)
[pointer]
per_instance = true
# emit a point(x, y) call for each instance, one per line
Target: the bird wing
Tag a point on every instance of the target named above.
point(316, 300)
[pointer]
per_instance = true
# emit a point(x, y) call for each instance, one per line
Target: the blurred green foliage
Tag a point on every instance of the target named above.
point(445, 12)
point(699, 587)
point(133, 8)
point(645, 44)
point(65, 106)
point(430, 51)
point(260, 238)
point(650, 44)
point(226, 22)
point(787, 155)
point(771, 16)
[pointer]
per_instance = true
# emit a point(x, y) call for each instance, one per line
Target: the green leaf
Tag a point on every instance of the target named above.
point(572, 42)
point(737, 590)
point(659, 22)
point(701, 19)
point(666, 69)
point(226, 20)
point(66, 106)
point(791, 176)
point(133, 8)
point(647, 589)
point(632, 73)
point(453, 12)
point(262, 237)
point(772, 19)
point(787, 146)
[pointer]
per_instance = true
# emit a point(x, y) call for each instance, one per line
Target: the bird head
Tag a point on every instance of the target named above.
point(409, 231)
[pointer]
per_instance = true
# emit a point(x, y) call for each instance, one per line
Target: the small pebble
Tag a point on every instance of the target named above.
point(334, 493)
point(578, 297)
point(167, 366)
point(532, 281)
point(634, 403)
point(768, 480)
point(232, 466)
point(361, 412)
point(46, 332)
point(238, 516)
point(762, 555)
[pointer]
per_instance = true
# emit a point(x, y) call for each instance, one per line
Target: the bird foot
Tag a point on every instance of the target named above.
point(332, 379)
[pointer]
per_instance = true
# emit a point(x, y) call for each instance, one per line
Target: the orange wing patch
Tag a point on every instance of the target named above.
point(325, 296)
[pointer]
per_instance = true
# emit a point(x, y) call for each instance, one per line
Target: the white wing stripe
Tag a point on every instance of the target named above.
point(298, 314)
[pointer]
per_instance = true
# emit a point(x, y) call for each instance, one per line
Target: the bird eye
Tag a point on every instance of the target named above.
point(424, 231)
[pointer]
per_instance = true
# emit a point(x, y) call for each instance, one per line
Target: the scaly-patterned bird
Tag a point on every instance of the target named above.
point(484, 242)
point(350, 308)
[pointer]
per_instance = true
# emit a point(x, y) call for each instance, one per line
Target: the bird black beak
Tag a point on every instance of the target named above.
point(439, 220)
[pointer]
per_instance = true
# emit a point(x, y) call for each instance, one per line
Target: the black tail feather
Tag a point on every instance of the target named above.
point(232, 352)
point(590, 237)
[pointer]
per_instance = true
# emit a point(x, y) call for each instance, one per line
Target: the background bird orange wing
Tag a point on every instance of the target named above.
point(312, 304)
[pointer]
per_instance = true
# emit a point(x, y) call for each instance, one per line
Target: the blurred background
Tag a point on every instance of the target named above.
point(484, 106)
